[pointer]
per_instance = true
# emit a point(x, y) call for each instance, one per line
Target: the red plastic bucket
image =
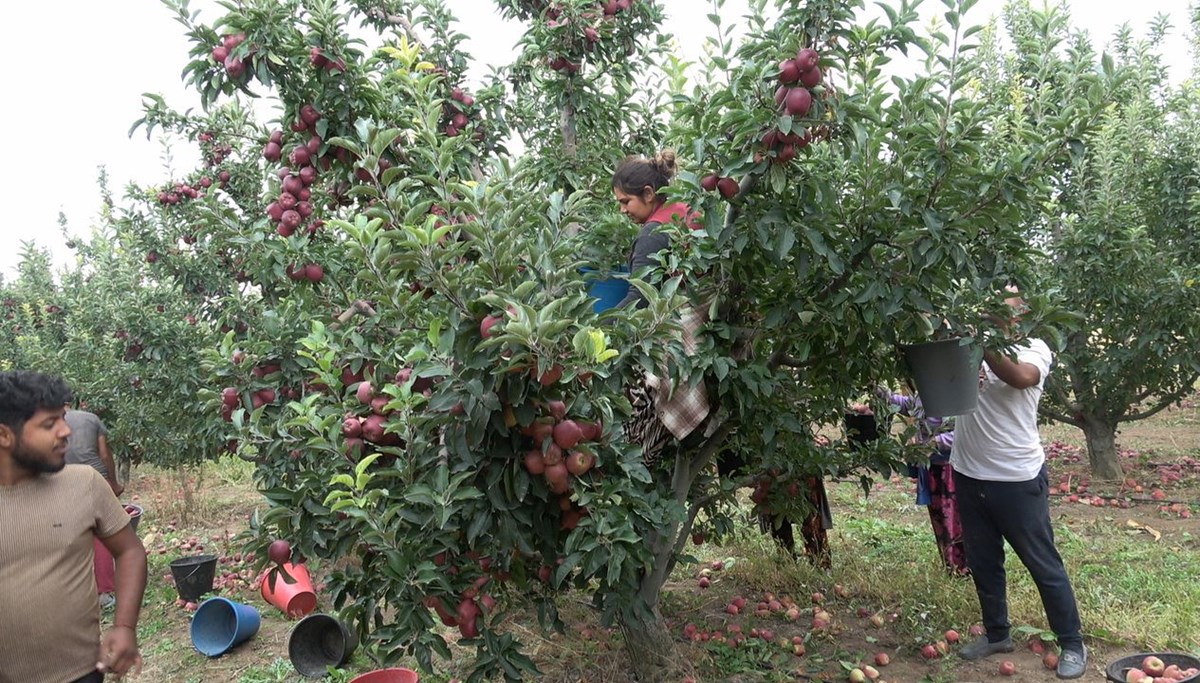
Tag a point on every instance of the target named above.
point(396, 675)
point(294, 599)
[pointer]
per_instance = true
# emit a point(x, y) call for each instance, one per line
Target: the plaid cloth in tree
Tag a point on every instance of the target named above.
point(683, 407)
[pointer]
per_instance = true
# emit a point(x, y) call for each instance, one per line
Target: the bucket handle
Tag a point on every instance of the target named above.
point(195, 568)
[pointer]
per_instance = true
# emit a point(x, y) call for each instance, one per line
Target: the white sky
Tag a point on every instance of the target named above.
point(76, 70)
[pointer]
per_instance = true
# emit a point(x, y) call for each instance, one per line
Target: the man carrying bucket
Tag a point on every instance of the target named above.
point(1003, 495)
point(49, 514)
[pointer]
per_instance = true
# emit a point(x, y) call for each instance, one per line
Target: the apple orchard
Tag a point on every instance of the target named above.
point(372, 299)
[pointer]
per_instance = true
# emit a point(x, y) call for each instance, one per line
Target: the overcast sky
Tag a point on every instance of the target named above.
point(75, 71)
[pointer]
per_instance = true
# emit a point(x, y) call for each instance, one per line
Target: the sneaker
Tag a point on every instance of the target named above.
point(1072, 664)
point(107, 601)
point(980, 648)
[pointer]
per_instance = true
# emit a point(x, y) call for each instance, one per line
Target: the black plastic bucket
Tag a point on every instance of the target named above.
point(194, 575)
point(1116, 670)
point(862, 428)
point(320, 641)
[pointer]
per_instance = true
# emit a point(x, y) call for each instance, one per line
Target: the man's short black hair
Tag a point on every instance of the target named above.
point(24, 392)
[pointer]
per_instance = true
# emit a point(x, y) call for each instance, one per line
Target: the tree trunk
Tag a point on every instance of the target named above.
point(651, 648)
point(1102, 448)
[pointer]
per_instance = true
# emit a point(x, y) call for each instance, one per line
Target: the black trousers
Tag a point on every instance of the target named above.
point(94, 677)
point(1019, 512)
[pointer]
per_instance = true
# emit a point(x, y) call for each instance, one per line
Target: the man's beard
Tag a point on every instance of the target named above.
point(29, 460)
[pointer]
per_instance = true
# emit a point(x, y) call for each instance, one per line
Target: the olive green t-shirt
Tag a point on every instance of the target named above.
point(49, 611)
point(83, 446)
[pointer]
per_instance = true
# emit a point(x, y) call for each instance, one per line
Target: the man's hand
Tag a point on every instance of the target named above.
point(119, 652)
point(116, 488)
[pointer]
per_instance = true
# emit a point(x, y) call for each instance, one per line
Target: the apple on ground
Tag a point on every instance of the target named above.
point(1007, 668)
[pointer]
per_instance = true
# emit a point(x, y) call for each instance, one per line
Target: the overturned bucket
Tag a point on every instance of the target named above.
point(220, 625)
point(318, 642)
point(293, 594)
point(194, 575)
point(394, 675)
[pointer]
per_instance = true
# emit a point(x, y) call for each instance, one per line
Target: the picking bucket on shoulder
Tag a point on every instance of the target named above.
point(946, 373)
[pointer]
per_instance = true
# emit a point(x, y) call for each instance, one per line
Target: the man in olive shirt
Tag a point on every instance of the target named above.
point(88, 445)
point(49, 515)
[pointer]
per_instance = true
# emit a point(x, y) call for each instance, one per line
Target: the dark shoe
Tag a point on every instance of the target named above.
point(980, 648)
point(1072, 664)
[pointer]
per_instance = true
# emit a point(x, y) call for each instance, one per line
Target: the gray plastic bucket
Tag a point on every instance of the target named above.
point(946, 373)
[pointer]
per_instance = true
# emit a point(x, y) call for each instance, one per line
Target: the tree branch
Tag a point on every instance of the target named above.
point(1059, 417)
point(1165, 402)
point(359, 307)
point(570, 134)
point(379, 14)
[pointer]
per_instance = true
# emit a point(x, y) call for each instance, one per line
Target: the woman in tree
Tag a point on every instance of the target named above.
point(661, 412)
point(639, 186)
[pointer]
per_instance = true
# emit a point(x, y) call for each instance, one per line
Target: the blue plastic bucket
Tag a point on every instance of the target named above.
point(220, 625)
point(607, 291)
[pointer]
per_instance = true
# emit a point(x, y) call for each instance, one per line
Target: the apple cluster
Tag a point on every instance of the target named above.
point(294, 205)
point(558, 450)
point(231, 397)
point(214, 151)
point(582, 35)
point(368, 425)
point(320, 60)
point(468, 611)
point(181, 191)
point(223, 54)
point(457, 113)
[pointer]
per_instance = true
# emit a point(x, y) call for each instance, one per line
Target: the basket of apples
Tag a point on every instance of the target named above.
point(1155, 667)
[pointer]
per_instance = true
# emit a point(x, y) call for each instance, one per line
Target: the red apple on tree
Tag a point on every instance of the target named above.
point(486, 325)
point(728, 187)
point(567, 434)
point(579, 462)
point(279, 552)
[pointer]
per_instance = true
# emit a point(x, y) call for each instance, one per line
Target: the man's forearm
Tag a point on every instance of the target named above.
point(131, 585)
point(1013, 373)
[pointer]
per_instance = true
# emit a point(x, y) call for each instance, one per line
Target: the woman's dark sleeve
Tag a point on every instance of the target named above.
point(649, 242)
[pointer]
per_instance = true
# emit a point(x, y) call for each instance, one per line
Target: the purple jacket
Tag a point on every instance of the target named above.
point(929, 429)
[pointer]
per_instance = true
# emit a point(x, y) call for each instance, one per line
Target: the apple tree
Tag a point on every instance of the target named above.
point(128, 345)
point(1120, 232)
point(409, 352)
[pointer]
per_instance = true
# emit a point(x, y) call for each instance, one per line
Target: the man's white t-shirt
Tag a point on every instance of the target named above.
point(1000, 440)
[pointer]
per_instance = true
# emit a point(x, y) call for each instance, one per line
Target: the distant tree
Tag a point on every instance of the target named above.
point(1121, 233)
